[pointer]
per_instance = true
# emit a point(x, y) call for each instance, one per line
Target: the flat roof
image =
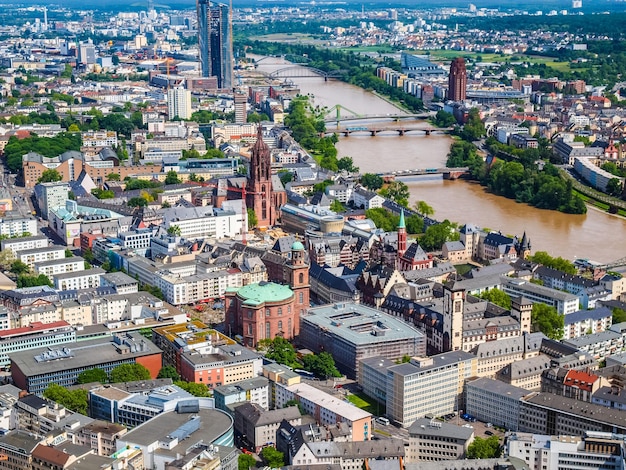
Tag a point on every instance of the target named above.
point(213, 424)
point(498, 387)
point(520, 284)
point(43, 249)
point(439, 361)
point(359, 324)
point(425, 426)
point(323, 399)
point(583, 409)
point(60, 261)
point(86, 354)
point(76, 274)
point(34, 327)
point(119, 278)
point(593, 338)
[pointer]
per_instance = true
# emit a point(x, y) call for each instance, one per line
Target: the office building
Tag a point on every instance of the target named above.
point(241, 115)
point(327, 409)
point(457, 80)
point(255, 390)
point(35, 369)
point(494, 402)
point(50, 196)
point(352, 332)
point(179, 103)
point(592, 450)
point(431, 440)
point(259, 426)
point(215, 42)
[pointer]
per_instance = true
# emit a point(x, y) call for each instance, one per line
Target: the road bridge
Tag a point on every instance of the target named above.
point(447, 173)
point(374, 131)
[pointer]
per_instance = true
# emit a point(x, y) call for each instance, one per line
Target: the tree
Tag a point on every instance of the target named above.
point(546, 319)
point(498, 297)
point(252, 218)
point(103, 193)
point(444, 119)
point(436, 235)
point(168, 372)
point(74, 400)
point(18, 267)
point(614, 187)
point(129, 373)
point(113, 177)
point(92, 375)
point(619, 315)
point(481, 448)
point(50, 176)
point(322, 365)
point(272, 457)
point(245, 462)
point(172, 178)
point(137, 202)
point(371, 181)
point(424, 209)
point(346, 163)
point(68, 253)
point(398, 192)
point(280, 350)
point(174, 230)
point(293, 402)
point(561, 264)
point(197, 390)
point(88, 255)
point(337, 206)
point(24, 280)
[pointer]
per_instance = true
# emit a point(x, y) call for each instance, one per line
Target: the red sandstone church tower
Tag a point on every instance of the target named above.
point(262, 196)
point(457, 80)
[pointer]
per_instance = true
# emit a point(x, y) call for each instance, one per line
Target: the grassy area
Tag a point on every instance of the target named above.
point(360, 400)
point(385, 49)
point(463, 269)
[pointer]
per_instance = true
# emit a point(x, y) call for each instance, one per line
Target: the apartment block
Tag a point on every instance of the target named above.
point(255, 390)
point(86, 279)
point(564, 302)
point(60, 266)
point(432, 441)
point(38, 255)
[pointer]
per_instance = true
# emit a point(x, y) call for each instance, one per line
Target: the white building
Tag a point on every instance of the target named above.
point(50, 196)
point(78, 280)
point(60, 266)
point(99, 139)
point(179, 103)
point(564, 302)
point(37, 255)
point(594, 450)
point(25, 243)
point(202, 222)
point(17, 226)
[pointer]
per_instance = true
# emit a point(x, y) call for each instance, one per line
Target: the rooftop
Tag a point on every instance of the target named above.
point(432, 363)
point(324, 400)
point(425, 426)
point(262, 292)
point(358, 324)
point(497, 387)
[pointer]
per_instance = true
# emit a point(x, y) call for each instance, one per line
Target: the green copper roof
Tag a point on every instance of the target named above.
point(402, 224)
point(256, 294)
point(297, 246)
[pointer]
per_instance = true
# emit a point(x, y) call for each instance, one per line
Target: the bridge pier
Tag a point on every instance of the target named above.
point(346, 133)
point(427, 131)
point(401, 132)
point(373, 133)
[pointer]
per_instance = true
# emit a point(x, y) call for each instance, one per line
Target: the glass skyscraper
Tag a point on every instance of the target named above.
point(215, 42)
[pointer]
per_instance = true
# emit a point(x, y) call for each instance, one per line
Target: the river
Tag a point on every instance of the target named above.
point(596, 235)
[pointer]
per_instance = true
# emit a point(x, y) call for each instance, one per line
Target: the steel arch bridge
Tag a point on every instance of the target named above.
point(300, 71)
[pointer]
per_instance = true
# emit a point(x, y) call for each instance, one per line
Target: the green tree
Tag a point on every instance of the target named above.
point(258, 117)
point(436, 235)
point(543, 258)
point(498, 297)
point(68, 253)
point(272, 457)
point(50, 176)
point(172, 178)
point(113, 177)
point(174, 230)
point(137, 202)
point(245, 462)
point(322, 365)
point(88, 255)
point(614, 187)
point(546, 319)
point(253, 221)
point(480, 448)
point(424, 209)
point(293, 402)
point(474, 128)
point(383, 219)
point(129, 373)
point(337, 206)
point(619, 315)
point(74, 400)
point(92, 375)
point(24, 280)
point(197, 390)
point(18, 267)
point(398, 192)
point(444, 119)
point(371, 181)
point(414, 224)
point(280, 350)
point(168, 372)
point(346, 163)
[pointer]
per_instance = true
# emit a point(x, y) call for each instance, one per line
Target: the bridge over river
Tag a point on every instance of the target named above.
point(407, 175)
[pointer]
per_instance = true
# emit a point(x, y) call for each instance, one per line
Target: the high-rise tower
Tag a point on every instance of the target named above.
point(215, 42)
point(457, 80)
point(179, 103)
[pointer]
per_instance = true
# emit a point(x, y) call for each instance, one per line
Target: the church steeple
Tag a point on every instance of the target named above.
point(401, 235)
